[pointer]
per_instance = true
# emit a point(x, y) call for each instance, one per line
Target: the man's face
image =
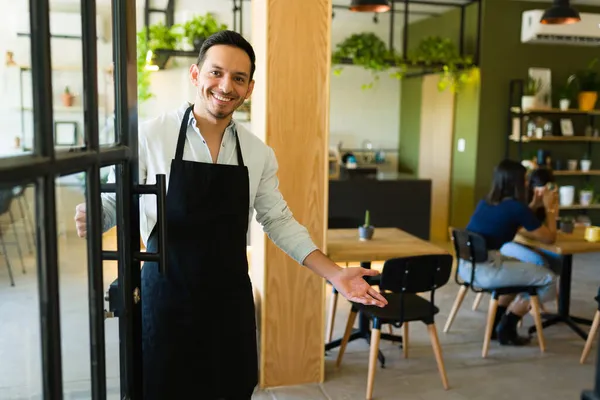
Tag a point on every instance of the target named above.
point(223, 80)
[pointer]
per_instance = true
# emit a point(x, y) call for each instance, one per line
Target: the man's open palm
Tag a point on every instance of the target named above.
point(351, 284)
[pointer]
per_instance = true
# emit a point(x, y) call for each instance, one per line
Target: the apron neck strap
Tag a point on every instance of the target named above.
point(183, 135)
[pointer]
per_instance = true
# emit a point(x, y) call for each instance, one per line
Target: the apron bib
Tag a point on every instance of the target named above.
point(198, 325)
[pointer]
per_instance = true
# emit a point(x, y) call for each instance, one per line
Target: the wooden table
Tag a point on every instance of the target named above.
point(566, 245)
point(343, 245)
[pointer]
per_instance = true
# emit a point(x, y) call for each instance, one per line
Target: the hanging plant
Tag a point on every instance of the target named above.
point(436, 51)
point(196, 30)
point(367, 50)
point(143, 74)
point(439, 54)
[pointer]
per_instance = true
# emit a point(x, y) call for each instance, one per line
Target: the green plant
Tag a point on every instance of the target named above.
point(143, 74)
point(588, 79)
point(367, 50)
point(196, 30)
point(367, 219)
point(437, 51)
point(532, 86)
point(588, 187)
point(67, 91)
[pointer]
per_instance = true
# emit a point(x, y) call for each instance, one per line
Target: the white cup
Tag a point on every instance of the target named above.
point(566, 195)
point(585, 165)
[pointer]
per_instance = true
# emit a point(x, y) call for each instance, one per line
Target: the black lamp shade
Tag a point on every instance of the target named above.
point(370, 5)
point(560, 13)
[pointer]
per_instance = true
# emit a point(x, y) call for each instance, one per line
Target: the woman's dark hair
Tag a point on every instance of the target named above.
point(539, 177)
point(508, 182)
point(228, 38)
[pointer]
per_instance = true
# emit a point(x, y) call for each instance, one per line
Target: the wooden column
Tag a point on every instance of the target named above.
point(290, 111)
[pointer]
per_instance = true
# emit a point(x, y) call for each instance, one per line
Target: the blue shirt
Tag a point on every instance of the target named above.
point(499, 223)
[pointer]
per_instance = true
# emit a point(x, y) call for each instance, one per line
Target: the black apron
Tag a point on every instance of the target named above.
point(199, 328)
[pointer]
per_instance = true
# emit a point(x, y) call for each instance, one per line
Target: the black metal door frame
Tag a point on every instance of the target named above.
point(45, 164)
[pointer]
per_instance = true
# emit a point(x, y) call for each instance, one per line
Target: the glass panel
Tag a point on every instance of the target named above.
point(20, 368)
point(74, 301)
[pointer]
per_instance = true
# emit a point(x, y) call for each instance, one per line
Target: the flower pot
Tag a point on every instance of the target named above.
point(67, 99)
point(366, 232)
point(528, 102)
point(564, 104)
point(566, 195)
point(587, 100)
point(567, 226)
point(585, 165)
point(585, 197)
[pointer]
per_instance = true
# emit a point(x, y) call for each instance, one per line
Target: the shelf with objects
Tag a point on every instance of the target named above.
point(560, 138)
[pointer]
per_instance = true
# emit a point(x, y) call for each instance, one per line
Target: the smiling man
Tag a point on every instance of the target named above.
point(199, 328)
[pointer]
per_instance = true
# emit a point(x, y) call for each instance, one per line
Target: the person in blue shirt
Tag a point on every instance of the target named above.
point(498, 218)
point(538, 180)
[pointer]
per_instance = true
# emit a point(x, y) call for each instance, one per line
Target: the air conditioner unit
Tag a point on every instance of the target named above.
point(583, 33)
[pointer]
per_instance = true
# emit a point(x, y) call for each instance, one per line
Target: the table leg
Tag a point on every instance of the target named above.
point(364, 329)
point(564, 303)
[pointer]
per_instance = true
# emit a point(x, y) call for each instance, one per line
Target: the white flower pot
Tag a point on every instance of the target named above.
point(566, 195)
point(585, 165)
point(564, 104)
point(528, 102)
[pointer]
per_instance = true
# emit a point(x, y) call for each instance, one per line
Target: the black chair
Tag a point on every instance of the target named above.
point(23, 204)
point(472, 247)
point(401, 280)
point(593, 331)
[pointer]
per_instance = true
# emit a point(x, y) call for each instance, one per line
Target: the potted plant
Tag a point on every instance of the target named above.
point(567, 224)
point(67, 97)
point(585, 163)
point(530, 91)
point(588, 83)
point(366, 231)
point(565, 94)
point(586, 195)
point(200, 27)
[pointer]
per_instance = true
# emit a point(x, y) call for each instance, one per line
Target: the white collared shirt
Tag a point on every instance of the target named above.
point(157, 142)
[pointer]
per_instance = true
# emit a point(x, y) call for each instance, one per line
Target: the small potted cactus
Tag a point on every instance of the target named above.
point(366, 231)
point(67, 97)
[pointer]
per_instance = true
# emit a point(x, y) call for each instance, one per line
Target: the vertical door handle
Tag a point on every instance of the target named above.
point(161, 223)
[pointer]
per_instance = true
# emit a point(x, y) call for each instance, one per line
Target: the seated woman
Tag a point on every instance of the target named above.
point(537, 183)
point(498, 218)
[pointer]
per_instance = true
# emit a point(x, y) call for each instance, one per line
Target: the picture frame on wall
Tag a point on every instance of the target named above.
point(65, 133)
point(566, 127)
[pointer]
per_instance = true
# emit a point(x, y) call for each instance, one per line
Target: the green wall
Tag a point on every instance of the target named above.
point(410, 125)
point(481, 114)
point(504, 58)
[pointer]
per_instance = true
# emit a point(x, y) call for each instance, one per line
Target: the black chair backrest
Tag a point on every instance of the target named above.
point(416, 274)
point(6, 197)
point(469, 246)
point(343, 223)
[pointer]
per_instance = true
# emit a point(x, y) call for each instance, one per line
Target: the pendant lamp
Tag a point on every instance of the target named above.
point(370, 5)
point(560, 13)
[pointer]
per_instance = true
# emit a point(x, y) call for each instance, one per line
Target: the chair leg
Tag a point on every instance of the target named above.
point(24, 218)
point(590, 339)
point(457, 303)
point(346, 338)
point(6, 258)
point(405, 340)
point(332, 308)
point(373, 354)
point(537, 317)
point(17, 240)
point(477, 301)
point(490, 325)
point(437, 350)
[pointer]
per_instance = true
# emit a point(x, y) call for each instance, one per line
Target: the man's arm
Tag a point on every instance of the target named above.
point(282, 228)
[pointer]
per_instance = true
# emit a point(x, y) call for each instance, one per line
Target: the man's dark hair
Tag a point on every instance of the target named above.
point(508, 182)
point(228, 38)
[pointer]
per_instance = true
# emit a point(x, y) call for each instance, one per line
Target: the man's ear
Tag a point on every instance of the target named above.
point(194, 74)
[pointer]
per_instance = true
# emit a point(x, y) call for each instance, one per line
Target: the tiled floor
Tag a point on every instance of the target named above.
point(508, 373)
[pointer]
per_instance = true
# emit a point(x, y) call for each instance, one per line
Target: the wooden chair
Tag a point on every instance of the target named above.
point(592, 333)
point(472, 247)
point(401, 280)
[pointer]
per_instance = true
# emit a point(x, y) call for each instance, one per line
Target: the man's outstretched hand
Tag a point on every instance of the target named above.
point(351, 284)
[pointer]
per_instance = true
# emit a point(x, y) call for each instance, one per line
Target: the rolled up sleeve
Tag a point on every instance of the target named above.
point(277, 220)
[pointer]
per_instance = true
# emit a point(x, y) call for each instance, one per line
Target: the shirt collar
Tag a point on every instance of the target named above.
point(192, 123)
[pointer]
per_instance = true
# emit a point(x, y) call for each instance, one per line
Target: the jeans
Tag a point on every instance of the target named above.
point(498, 273)
point(532, 256)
